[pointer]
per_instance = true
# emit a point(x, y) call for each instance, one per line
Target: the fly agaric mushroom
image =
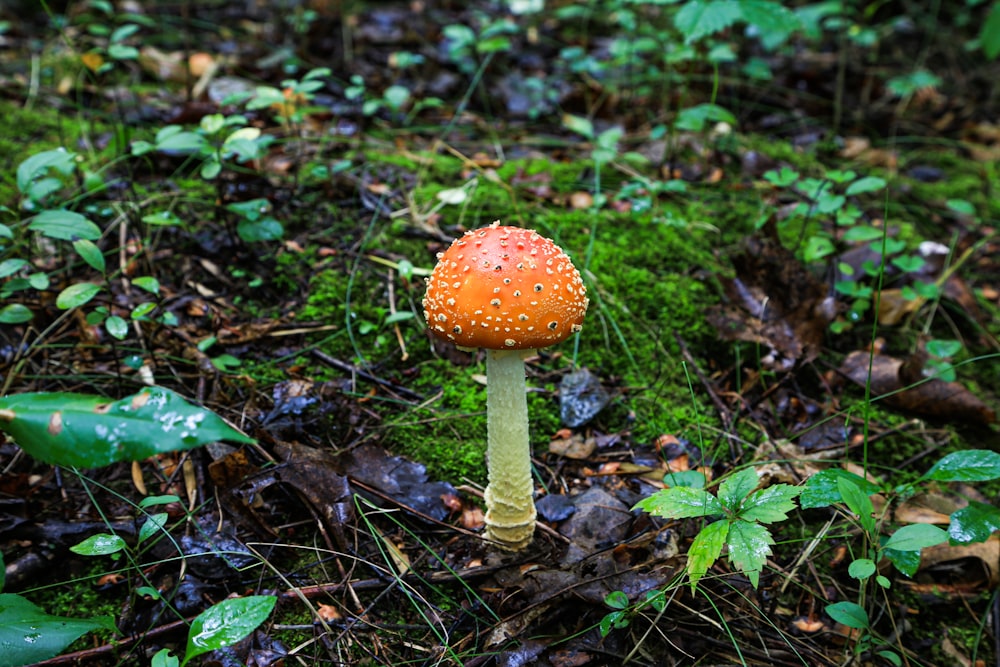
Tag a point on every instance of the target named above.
point(510, 291)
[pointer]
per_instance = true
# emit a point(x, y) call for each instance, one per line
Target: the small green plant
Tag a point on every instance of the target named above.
point(973, 523)
point(744, 511)
point(623, 611)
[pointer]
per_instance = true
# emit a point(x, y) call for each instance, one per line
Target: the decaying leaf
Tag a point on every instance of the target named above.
point(775, 302)
point(932, 399)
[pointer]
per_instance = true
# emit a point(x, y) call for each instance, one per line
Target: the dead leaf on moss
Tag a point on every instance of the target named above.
point(931, 399)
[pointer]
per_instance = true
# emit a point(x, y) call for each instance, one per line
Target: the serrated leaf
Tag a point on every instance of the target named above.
point(102, 544)
point(858, 502)
point(974, 523)
point(706, 548)
point(226, 623)
point(971, 465)
point(775, 21)
point(91, 431)
point(737, 486)
point(699, 18)
point(681, 502)
point(821, 489)
point(29, 635)
point(749, 546)
point(77, 295)
point(770, 504)
point(850, 614)
point(915, 537)
point(64, 225)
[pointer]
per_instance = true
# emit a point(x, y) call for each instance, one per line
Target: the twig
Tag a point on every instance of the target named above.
point(354, 370)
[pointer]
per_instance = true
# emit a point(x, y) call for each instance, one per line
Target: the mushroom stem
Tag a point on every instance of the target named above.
point(510, 506)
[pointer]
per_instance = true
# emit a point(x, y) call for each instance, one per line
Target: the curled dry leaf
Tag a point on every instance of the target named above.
point(932, 399)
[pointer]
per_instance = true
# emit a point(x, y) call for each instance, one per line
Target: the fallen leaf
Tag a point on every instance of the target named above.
point(932, 399)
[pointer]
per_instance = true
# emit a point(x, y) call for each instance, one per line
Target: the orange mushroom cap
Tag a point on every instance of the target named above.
point(504, 288)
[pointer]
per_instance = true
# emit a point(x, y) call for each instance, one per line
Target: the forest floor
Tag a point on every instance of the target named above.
point(786, 223)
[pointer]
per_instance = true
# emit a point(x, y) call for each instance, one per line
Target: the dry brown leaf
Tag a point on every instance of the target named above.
point(932, 399)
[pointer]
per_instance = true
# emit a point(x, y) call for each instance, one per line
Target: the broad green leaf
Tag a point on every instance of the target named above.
point(149, 501)
point(821, 489)
point(102, 544)
point(692, 478)
point(226, 623)
point(850, 614)
point(737, 486)
point(891, 657)
point(681, 502)
point(971, 465)
point(64, 225)
point(15, 313)
point(182, 143)
point(706, 549)
point(943, 348)
point(28, 635)
point(266, 229)
point(694, 119)
point(974, 523)
point(616, 600)
point(866, 184)
point(770, 504)
point(148, 283)
point(77, 295)
point(9, 267)
point(699, 18)
point(162, 218)
point(862, 568)
point(91, 431)
point(860, 233)
point(117, 327)
point(915, 537)
point(38, 165)
point(90, 253)
point(858, 502)
point(749, 547)
point(907, 562)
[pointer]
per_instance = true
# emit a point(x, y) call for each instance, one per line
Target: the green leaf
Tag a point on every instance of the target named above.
point(77, 295)
point(989, 35)
point(970, 465)
point(578, 124)
point(64, 225)
point(891, 657)
point(91, 431)
point(266, 229)
point(915, 537)
point(29, 635)
point(774, 21)
point(102, 544)
point(735, 487)
point(943, 349)
point(907, 562)
point(699, 18)
point(706, 549)
point(694, 119)
point(153, 525)
point(681, 502)
point(90, 253)
point(39, 164)
point(821, 490)
point(862, 568)
point(226, 623)
point(162, 218)
point(148, 283)
point(770, 504)
point(867, 184)
point(850, 614)
point(858, 502)
point(9, 267)
point(692, 478)
point(974, 523)
point(15, 313)
point(117, 327)
point(862, 233)
point(616, 600)
point(749, 547)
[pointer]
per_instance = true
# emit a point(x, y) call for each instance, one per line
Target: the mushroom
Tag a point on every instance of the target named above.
point(510, 291)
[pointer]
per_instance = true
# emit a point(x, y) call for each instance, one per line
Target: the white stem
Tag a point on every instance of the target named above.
point(510, 507)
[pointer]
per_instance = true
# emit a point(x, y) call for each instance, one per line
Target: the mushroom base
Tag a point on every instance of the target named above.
point(510, 505)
